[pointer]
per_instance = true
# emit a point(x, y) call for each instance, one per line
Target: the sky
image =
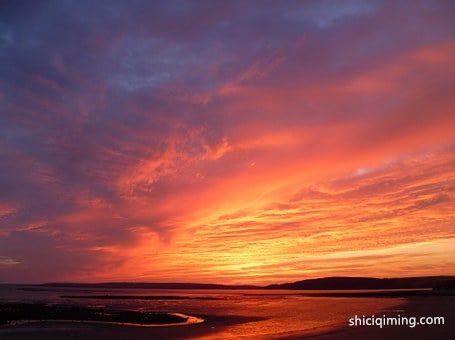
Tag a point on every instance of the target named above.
point(226, 141)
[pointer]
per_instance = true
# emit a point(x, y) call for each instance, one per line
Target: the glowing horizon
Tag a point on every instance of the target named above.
point(236, 142)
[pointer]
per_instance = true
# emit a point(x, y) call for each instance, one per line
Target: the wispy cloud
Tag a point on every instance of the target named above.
point(234, 141)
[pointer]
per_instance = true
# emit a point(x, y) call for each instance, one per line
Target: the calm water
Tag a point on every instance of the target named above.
point(275, 312)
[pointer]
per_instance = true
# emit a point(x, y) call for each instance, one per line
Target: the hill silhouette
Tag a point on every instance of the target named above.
point(326, 283)
point(147, 285)
point(339, 283)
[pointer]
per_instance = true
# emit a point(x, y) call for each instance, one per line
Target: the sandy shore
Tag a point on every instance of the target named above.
point(415, 306)
point(62, 330)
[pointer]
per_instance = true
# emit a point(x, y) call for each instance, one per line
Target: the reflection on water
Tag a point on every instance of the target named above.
point(275, 313)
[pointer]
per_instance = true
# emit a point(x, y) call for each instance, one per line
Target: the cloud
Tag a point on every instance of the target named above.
point(240, 134)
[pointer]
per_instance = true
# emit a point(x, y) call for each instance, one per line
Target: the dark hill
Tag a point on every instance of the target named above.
point(148, 285)
point(326, 283)
point(337, 283)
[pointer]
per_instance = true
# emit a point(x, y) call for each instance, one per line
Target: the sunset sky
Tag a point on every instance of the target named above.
point(226, 141)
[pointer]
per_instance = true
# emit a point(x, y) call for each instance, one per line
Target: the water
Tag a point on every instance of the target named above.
point(270, 313)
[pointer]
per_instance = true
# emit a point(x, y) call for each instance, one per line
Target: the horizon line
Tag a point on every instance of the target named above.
point(221, 284)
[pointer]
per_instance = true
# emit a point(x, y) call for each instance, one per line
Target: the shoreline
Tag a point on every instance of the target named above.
point(207, 326)
point(13, 314)
point(139, 297)
point(104, 331)
point(190, 320)
point(420, 306)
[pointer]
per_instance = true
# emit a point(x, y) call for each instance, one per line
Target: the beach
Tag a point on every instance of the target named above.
point(230, 314)
point(89, 331)
point(416, 306)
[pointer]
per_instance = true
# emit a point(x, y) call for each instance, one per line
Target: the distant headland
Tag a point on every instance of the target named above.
point(326, 283)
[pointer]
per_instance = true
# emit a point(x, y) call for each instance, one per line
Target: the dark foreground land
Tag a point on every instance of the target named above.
point(415, 307)
point(43, 321)
point(11, 313)
point(213, 326)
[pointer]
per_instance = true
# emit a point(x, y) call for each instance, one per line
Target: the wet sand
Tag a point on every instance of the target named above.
point(138, 297)
point(214, 325)
point(62, 330)
point(415, 306)
point(34, 312)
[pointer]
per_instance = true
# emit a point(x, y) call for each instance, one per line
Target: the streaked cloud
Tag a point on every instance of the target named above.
point(229, 141)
